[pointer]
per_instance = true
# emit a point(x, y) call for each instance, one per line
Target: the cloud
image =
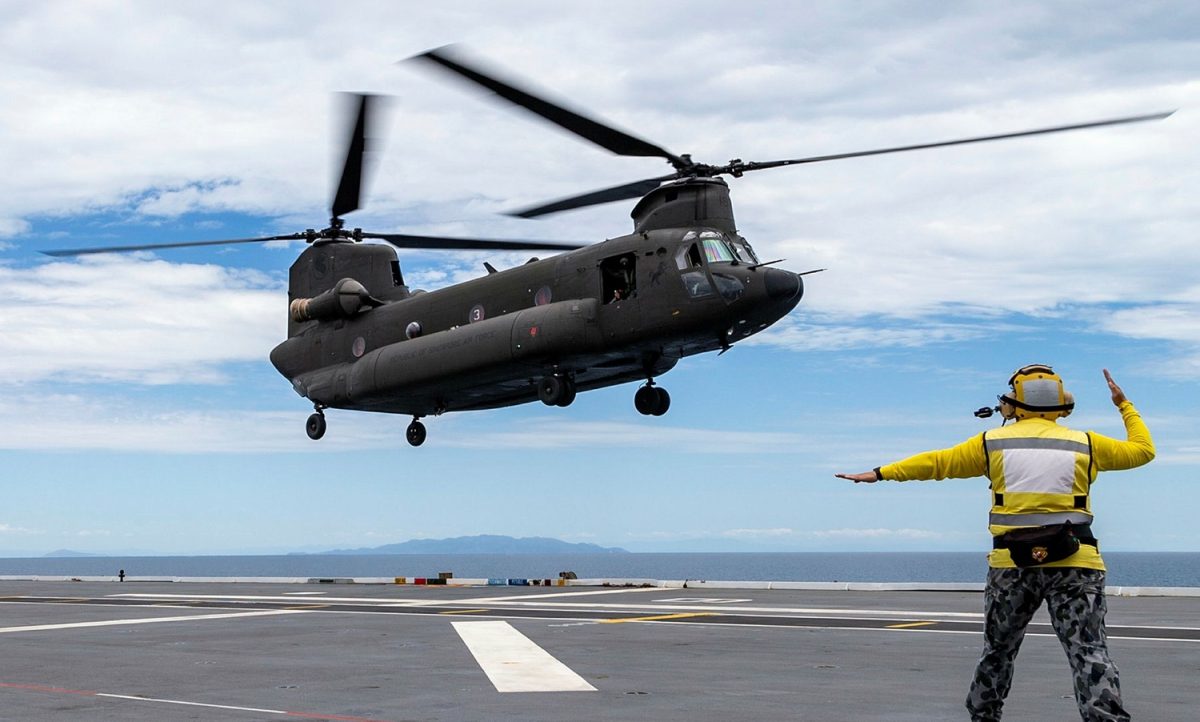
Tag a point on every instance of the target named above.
point(815, 334)
point(135, 320)
point(784, 533)
point(876, 533)
point(546, 433)
point(1171, 322)
point(12, 227)
point(781, 532)
point(55, 421)
point(250, 130)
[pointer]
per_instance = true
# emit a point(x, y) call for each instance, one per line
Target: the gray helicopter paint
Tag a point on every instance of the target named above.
point(486, 342)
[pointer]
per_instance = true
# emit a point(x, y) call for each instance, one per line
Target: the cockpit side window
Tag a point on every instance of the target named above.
point(688, 257)
point(691, 266)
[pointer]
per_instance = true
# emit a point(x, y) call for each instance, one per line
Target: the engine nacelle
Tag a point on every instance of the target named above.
point(346, 298)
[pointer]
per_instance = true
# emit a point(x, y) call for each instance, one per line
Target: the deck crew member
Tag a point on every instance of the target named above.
point(1041, 475)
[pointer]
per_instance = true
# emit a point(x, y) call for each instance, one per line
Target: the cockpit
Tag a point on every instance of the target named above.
point(712, 249)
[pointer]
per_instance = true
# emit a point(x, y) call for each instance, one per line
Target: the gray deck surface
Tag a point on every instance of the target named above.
point(247, 651)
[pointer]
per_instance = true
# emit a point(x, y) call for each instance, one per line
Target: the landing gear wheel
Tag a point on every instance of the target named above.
point(568, 396)
point(662, 401)
point(315, 426)
point(652, 401)
point(643, 400)
point(415, 433)
point(556, 390)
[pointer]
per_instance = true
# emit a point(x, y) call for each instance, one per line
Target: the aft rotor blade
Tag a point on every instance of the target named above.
point(401, 240)
point(981, 139)
point(349, 190)
point(182, 244)
point(637, 189)
point(602, 135)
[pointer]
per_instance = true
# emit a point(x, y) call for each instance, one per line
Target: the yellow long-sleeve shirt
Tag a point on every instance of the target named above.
point(969, 459)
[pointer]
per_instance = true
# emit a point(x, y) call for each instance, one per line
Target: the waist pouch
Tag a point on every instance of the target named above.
point(1043, 544)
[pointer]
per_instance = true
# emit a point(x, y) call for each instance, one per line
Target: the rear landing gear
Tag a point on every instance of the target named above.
point(415, 433)
point(556, 390)
point(316, 425)
point(651, 400)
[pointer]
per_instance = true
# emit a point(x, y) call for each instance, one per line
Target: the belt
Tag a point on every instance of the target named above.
point(1082, 532)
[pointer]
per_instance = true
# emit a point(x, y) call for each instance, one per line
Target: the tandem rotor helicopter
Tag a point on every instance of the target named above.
point(622, 310)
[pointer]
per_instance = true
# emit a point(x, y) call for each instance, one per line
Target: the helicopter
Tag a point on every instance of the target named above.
point(623, 310)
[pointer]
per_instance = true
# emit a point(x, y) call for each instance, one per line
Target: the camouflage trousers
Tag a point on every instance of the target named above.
point(1075, 599)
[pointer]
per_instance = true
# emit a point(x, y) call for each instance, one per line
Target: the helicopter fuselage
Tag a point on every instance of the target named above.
point(623, 310)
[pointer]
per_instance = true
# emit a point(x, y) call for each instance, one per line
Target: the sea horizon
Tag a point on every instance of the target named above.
point(1147, 569)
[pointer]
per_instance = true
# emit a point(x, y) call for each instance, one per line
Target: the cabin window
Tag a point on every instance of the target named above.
point(618, 277)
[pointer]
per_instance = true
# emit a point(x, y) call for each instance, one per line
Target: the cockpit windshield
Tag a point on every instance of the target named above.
point(742, 250)
point(719, 248)
point(715, 248)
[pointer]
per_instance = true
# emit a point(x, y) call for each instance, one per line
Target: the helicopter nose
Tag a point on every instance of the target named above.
point(781, 285)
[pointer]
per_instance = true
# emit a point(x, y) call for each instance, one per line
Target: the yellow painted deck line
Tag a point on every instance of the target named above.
point(910, 625)
point(657, 618)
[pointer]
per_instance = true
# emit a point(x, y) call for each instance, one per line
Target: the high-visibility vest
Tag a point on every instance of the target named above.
point(1041, 474)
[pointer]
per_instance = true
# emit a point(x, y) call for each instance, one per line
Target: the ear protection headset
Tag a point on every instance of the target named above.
point(1036, 391)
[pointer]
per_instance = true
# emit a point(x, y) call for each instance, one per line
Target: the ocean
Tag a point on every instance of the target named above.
point(1135, 569)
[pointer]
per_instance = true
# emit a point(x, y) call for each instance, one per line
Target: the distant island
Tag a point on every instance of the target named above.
point(484, 544)
point(67, 553)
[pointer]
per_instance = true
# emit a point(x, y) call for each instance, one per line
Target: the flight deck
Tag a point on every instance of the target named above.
point(99, 650)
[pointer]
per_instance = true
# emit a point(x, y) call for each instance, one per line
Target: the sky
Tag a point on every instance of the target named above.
point(140, 413)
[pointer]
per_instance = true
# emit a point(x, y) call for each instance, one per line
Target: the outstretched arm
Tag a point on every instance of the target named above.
point(958, 462)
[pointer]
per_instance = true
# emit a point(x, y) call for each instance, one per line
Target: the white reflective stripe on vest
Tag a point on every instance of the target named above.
point(1039, 442)
point(1061, 517)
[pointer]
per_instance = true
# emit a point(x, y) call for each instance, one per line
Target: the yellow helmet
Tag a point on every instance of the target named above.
point(1036, 391)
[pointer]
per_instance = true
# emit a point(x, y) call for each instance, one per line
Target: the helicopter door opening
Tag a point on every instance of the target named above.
point(618, 278)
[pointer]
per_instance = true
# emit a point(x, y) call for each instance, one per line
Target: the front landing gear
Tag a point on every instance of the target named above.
point(415, 433)
point(651, 400)
point(316, 425)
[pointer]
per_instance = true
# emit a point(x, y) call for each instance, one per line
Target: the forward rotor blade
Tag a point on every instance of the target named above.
point(637, 189)
point(349, 191)
point(602, 135)
point(981, 139)
point(157, 246)
point(402, 240)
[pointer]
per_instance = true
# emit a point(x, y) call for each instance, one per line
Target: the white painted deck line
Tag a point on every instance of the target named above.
point(146, 620)
point(514, 663)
